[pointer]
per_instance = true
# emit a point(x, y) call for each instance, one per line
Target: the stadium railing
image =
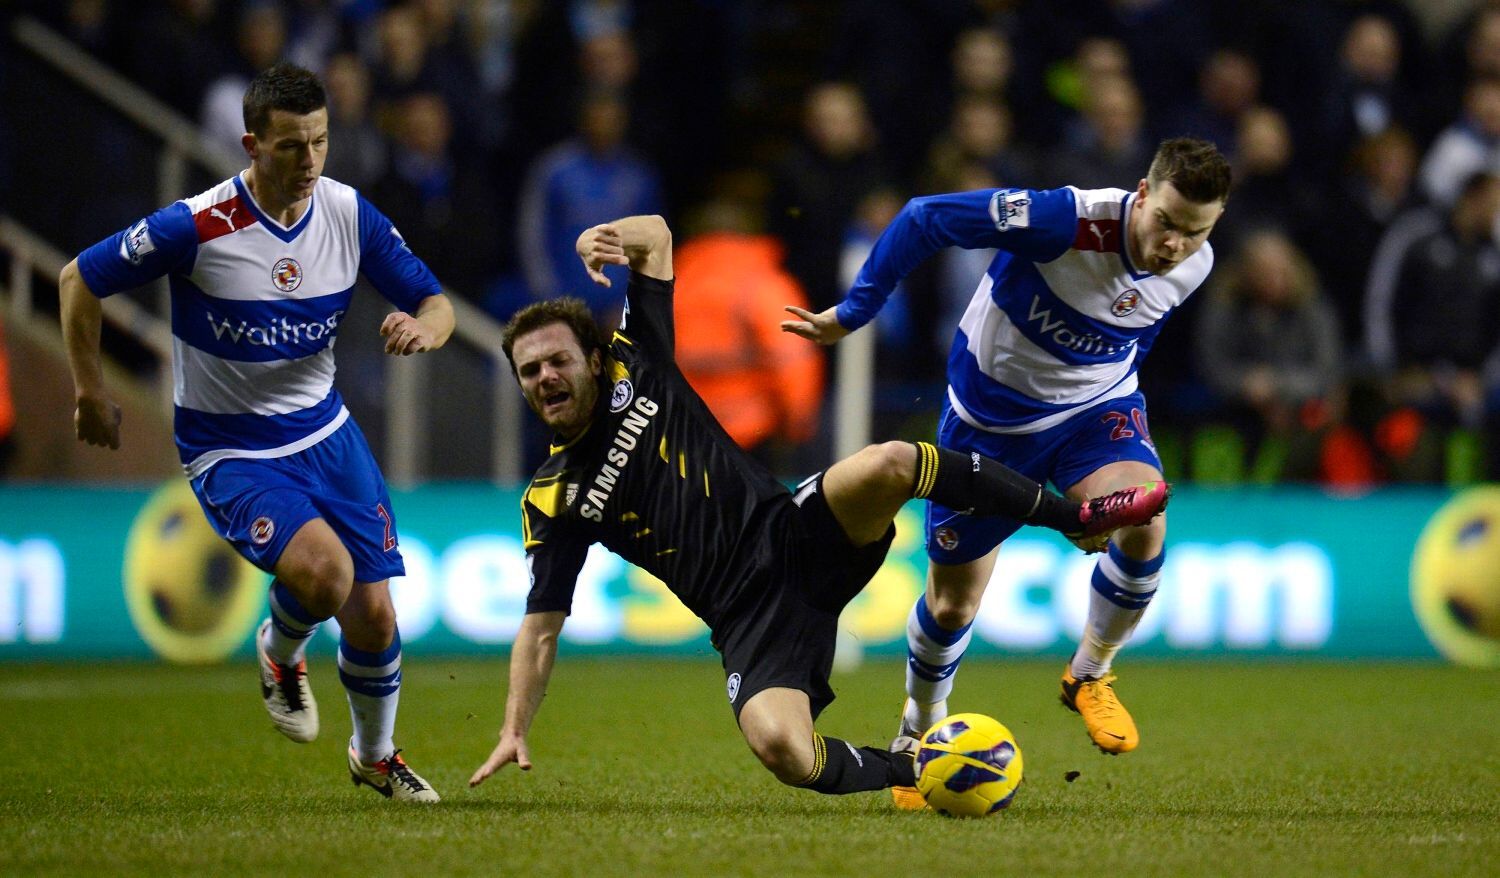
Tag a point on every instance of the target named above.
point(32, 257)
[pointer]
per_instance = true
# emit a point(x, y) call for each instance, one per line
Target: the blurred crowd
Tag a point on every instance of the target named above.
point(1348, 335)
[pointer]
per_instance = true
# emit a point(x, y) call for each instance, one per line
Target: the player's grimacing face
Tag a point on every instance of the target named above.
point(291, 152)
point(558, 380)
point(1166, 228)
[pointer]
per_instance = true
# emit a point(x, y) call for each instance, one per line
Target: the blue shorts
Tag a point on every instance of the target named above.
point(257, 505)
point(1064, 455)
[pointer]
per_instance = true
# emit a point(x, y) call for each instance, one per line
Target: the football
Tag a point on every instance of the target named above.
point(1455, 577)
point(968, 766)
point(191, 596)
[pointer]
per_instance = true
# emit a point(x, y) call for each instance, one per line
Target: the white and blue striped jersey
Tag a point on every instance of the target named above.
point(255, 308)
point(1060, 320)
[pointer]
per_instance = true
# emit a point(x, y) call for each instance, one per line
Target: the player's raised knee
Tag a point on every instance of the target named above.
point(893, 463)
point(784, 752)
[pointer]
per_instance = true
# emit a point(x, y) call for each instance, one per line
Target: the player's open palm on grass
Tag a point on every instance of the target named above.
point(512, 748)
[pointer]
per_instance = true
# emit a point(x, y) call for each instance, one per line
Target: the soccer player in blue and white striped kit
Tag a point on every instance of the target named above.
point(262, 268)
point(1042, 377)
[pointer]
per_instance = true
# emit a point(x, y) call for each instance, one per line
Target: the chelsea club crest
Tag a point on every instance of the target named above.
point(621, 396)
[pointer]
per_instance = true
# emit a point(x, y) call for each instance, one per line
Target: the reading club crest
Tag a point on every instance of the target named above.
point(1125, 303)
point(946, 538)
point(261, 530)
point(286, 274)
point(621, 396)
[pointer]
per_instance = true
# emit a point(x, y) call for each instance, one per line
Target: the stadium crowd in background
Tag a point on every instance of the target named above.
point(1360, 132)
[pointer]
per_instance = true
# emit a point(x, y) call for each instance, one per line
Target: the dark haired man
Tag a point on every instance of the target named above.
point(1042, 377)
point(262, 268)
point(641, 466)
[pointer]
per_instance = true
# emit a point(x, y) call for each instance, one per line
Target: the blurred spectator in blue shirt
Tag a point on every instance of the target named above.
point(567, 189)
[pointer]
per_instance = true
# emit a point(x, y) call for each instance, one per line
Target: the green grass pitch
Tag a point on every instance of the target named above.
point(1263, 769)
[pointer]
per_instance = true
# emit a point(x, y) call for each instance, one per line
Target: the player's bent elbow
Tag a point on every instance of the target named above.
point(915, 210)
point(659, 240)
point(651, 254)
point(70, 280)
point(660, 233)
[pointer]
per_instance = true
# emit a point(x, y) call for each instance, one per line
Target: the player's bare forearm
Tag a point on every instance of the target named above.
point(530, 668)
point(96, 418)
point(642, 242)
point(436, 314)
point(82, 317)
point(427, 329)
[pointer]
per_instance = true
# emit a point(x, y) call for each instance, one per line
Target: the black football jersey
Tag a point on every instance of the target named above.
point(654, 478)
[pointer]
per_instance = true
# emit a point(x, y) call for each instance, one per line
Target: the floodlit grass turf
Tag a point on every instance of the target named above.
point(1245, 769)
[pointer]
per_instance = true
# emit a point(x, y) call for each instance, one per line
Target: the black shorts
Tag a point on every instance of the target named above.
point(782, 631)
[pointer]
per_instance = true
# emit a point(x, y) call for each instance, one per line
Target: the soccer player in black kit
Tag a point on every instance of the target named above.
point(640, 465)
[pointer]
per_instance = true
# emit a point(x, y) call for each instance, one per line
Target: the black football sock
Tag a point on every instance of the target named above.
point(839, 767)
point(974, 483)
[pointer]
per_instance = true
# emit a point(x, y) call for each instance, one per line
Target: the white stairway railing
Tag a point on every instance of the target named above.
point(407, 430)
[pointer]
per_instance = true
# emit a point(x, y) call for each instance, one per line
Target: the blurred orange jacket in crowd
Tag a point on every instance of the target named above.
point(7, 405)
point(760, 382)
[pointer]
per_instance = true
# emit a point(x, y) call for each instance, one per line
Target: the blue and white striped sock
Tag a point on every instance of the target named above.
point(1123, 588)
point(291, 626)
point(932, 657)
point(373, 683)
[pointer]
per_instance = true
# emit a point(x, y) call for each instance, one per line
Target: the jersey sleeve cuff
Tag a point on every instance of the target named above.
point(651, 284)
point(97, 285)
point(846, 317)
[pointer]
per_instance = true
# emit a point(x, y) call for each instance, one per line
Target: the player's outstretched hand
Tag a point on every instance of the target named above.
point(512, 748)
point(823, 328)
point(601, 246)
point(405, 334)
point(97, 421)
